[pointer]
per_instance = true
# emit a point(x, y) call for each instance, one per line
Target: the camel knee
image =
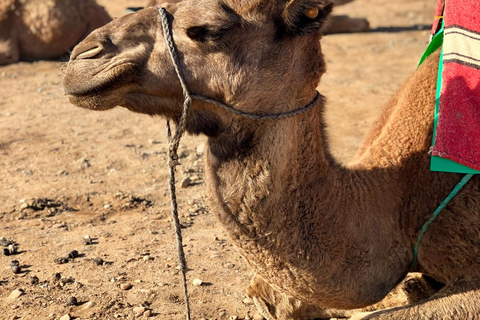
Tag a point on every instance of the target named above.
point(275, 305)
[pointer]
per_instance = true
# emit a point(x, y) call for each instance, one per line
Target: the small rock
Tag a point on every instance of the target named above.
point(233, 317)
point(257, 316)
point(248, 301)
point(65, 317)
point(12, 248)
point(71, 301)
point(197, 282)
point(147, 258)
point(186, 182)
point(34, 280)
point(87, 240)
point(27, 172)
point(200, 149)
point(98, 261)
point(88, 305)
point(222, 313)
point(138, 311)
point(67, 280)
point(14, 263)
point(61, 260)
point(3, 241)
point(147, 313)
point(84, 163)
point(126, 286)
point(15, 294)
point(16, 269)
point(56, 276)
point(73, 254)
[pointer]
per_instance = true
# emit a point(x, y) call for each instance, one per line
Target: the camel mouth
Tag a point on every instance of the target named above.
point(91, 102)
point(107, 79)
point(102, 91)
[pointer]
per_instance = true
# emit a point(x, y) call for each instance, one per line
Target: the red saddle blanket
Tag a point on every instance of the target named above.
point(457, 134)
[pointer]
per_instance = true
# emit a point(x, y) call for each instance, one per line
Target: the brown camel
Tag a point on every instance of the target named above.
point(318, 234)
point(45, 29)
point(336, 24)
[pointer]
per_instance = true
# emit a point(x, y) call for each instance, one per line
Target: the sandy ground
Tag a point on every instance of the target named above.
point(67, 173)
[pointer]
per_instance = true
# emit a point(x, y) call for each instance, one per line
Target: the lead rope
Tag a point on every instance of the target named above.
point(435, 214)
point(173, 142)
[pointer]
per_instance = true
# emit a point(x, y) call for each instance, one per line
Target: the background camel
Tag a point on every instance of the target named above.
point(45, 29)
point(336, 24)
point(328, 235)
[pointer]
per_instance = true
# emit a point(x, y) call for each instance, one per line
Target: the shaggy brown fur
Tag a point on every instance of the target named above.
point(45, 29)
point(328, 235)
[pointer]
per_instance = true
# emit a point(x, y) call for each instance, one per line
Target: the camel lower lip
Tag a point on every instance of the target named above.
point(90, 102)
point(117, 77)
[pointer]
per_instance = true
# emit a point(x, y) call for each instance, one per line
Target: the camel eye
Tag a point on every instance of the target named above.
point(197, 33)
point(206, 33)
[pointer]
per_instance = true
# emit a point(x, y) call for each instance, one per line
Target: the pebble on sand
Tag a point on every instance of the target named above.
point(186, 182)
point(197, 282)
point(126, 286)
point(258, 316)
point(138, 311)
point(15, 294)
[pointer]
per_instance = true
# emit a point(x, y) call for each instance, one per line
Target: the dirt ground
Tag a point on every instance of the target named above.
point(68, 173)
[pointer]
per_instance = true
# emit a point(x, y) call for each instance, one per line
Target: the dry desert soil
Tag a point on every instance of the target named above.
point(93, 185)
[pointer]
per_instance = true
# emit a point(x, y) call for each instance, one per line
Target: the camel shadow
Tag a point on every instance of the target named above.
point(415, 27)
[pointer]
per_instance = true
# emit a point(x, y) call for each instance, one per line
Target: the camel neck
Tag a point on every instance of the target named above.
point(301, 219)
point(263, 157)
point(283, 199)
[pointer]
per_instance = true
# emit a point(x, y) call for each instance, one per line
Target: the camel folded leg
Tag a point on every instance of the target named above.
point(459, 300)
point(274, 305)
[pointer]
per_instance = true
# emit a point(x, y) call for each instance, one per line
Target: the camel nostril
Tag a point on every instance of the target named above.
point(86, 54)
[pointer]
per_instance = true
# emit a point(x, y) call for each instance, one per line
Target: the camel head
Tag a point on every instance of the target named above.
point(255, 55)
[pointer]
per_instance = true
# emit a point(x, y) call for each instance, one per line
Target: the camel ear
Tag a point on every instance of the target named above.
point(302, 17)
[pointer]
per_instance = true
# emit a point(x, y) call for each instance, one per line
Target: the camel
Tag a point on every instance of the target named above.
point(45, 29)
point(337, 23)
point(318, 234)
